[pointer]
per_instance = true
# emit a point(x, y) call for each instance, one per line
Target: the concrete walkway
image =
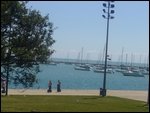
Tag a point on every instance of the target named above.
point(135, 95)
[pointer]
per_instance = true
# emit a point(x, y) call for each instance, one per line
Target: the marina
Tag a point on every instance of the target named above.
point(72, 78)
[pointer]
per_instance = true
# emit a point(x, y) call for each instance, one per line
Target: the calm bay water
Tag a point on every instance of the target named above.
point(76, 79)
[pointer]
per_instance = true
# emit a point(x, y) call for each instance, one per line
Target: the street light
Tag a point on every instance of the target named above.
point(109, 11)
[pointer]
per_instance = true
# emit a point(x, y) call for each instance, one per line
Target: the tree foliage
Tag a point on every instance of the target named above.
point(26, 41)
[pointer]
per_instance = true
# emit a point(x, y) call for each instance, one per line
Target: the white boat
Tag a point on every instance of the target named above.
point(132, 73)
point(119, 70)
point(145, 72)
point(53, 63)
point(82, 67)
point(97, 70)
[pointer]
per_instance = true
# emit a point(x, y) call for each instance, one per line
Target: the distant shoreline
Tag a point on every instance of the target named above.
point(130, 94)
point(95, 61)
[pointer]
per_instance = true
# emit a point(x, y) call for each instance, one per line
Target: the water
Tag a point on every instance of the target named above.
point(76, 79)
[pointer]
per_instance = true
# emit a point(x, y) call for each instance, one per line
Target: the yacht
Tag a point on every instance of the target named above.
point(134, 73)
point(82, 67)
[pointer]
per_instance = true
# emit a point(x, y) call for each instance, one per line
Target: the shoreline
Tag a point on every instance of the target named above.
point(130, 94)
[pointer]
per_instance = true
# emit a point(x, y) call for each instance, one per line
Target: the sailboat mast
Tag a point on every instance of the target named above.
point(122, 56)
point(126, 59)
point(140, 59)
point(82, 55)
point(68, 57)
point(87, 58)
point(148, 61)
point(132, 59)
point(78, 58)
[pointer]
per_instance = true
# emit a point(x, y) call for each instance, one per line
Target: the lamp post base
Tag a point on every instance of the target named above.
point(102, 92)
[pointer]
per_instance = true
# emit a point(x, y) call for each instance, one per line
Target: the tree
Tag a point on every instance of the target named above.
point(26, 40)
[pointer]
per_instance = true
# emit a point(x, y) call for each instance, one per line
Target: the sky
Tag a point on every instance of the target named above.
point(80, 26)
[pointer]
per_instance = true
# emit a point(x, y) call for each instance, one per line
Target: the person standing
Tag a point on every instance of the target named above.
point(3, 86)
point(59, 86)
point(49, 86)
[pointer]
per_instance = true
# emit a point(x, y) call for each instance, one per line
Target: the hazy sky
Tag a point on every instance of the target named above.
point(81, 25)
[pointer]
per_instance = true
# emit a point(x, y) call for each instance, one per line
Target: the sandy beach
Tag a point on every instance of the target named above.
point(135, 95)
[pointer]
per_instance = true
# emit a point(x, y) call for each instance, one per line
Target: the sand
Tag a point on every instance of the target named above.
point(135, 95)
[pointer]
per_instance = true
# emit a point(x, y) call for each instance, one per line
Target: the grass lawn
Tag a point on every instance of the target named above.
point(38, 103)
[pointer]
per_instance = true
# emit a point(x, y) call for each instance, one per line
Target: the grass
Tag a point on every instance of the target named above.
point(38, 103)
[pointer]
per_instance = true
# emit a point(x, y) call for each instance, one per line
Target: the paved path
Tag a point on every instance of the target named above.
point(135, 95)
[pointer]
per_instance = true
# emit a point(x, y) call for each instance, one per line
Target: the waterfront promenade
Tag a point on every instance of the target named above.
point(135, 95)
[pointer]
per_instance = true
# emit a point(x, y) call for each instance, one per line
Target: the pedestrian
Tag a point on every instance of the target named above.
point(49, 86)
point(3, 86)
point(58, 86)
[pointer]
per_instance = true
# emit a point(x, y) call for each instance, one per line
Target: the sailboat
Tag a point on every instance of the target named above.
point(134, 73)
point(145, 70)
point(122, 67)
point(101, 70)
point(52, 62)
point(68, 62)
point(81, 65)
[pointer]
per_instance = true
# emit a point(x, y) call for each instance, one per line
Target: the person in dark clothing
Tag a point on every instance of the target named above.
point(49, 86)
point(3, 85)
point(58, 86)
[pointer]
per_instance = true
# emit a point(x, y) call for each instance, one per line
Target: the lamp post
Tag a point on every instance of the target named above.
point(108, 16)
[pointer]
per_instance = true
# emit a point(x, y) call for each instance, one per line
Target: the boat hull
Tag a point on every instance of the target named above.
point(133, 74)
point(82, 69)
